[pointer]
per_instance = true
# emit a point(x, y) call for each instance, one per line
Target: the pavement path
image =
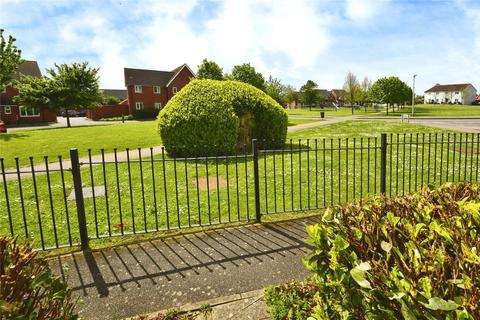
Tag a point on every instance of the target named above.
point(62, 123)
point(320, 123)
point(460, 124)
point(26, 172)
point(125, 281)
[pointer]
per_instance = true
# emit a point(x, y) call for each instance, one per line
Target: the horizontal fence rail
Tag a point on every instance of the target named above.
point(57, 203)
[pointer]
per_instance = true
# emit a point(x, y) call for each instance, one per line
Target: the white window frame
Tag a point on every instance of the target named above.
point(27, 114)
point(9, 108)
point(157, 89)
point(174, 90)
point(138, 105)
point(158, 105)
point(138, 88)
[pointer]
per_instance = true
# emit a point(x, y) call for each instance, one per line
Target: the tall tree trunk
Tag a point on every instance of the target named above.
point(68, 119)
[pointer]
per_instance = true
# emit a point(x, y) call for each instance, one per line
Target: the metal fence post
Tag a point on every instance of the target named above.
point(258, 215)
point(383, 164)
point(77, 185)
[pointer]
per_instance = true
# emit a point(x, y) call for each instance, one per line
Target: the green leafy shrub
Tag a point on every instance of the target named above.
point(28, 290)
point(411, 257)
point(127, 117)
point(110, 100)
point(149, 113)
point(210, 117)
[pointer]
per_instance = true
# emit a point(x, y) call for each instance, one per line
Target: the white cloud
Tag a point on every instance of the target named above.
point(364, 9)
point(241, 31)
point(471, 9)
point(250, 30)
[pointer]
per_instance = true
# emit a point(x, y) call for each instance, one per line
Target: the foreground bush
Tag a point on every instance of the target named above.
point(210, 117)
point(291, 301)
point(411, 257)
point(28, 290)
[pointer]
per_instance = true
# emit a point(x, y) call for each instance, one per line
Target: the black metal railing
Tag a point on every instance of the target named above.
point(56, 204)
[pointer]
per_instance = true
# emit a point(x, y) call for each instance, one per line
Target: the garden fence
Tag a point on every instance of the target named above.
point(144, 190)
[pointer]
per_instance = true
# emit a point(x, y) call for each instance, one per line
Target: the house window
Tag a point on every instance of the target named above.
point(7, 109)
point(156, 89)
point(174, 90)
point(138, 88)
point(139, 105)
point(158, 105)
point(456, 92)
point(29, 112)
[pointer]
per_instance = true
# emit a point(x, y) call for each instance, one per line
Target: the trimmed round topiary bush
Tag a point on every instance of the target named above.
point(210, 117)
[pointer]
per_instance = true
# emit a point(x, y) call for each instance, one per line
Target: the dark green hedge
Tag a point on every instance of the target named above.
point(204, 118)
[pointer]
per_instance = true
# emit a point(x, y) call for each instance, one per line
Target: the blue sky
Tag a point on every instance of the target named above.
point(291, 40)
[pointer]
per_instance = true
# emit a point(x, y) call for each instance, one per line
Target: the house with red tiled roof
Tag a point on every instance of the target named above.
point(461, 93)
point(149, 90)
point(11, 113)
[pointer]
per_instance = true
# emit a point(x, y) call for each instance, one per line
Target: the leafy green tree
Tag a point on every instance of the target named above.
point(309, 93)
point(352, 89)
point(390, 90)
point(209, 70)
point(110, 100)
point(34, 92)
point(291, 95)
point(277, 90)
point(363, 92)
point(247, 74)
point(10, 59)
point(68, 87)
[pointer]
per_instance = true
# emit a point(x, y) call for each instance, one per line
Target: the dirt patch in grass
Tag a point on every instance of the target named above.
point(212, 183)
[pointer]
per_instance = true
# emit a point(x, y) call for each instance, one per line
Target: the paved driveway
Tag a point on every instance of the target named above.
point(467, 125)
point(62, 123)
point(460, 124)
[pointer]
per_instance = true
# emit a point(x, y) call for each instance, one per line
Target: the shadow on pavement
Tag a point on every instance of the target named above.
point(169, 272)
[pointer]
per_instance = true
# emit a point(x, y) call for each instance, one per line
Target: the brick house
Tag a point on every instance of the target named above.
point(11, 113)
point(333, 97)
point(110, 110)
point(149, 90)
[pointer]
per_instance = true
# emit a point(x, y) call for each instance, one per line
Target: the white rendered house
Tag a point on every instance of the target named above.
point(463, 93)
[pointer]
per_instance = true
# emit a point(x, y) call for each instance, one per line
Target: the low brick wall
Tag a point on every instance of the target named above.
point(14, 118)
point(108, 111)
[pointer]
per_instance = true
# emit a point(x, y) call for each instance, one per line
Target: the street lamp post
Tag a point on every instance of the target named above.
point(413, 95)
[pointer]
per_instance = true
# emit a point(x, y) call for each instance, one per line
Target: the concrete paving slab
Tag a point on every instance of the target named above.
point(88, 192)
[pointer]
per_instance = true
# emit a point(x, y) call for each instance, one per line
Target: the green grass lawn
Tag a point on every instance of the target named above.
point(294, 122)
point(438, 110)
point(140, 196)
point(58, 141)
point(422, 110)
point(360, 128)
point(55, 142)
